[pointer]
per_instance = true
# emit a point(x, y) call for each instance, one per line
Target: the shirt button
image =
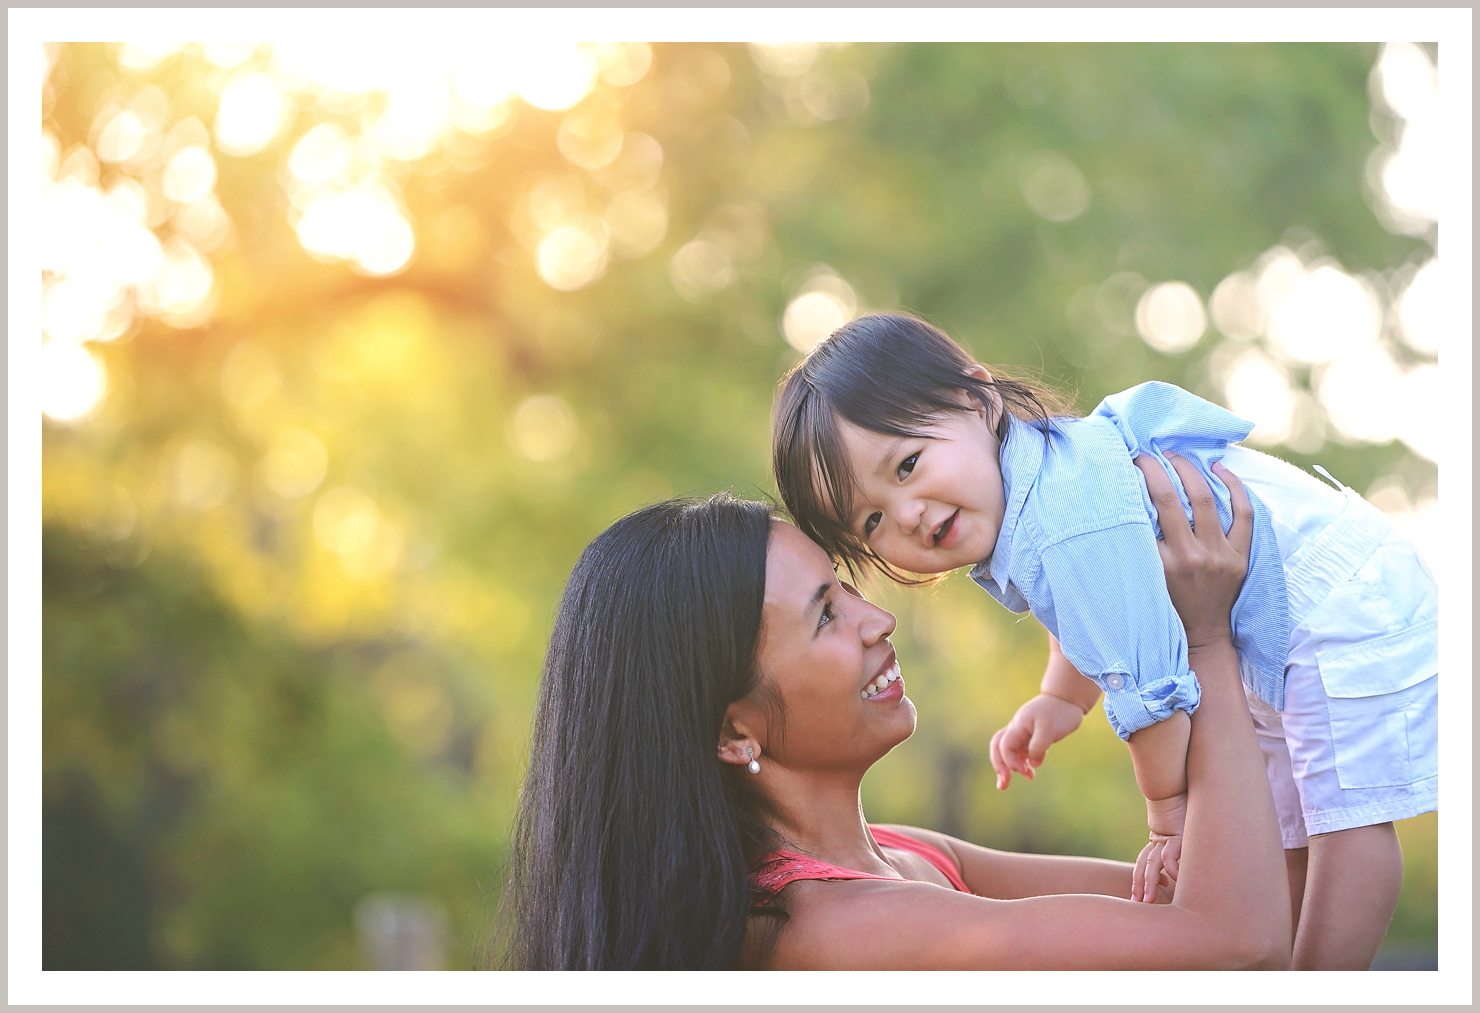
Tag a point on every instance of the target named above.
point(1115, 680)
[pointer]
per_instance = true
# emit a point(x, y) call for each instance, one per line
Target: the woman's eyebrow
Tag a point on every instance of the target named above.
point(817, 596)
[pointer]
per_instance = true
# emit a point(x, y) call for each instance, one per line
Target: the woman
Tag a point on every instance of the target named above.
point(712, 698)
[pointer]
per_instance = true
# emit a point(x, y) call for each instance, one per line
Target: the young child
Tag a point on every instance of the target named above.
point(895, 450)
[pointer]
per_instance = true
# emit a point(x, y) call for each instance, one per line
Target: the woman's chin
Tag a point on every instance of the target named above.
point(903, 722)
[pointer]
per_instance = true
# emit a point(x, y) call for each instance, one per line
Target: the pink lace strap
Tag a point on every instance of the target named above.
point(780, 868)
point(935, 856)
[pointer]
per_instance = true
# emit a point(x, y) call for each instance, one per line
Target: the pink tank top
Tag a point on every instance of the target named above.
point(780, 868)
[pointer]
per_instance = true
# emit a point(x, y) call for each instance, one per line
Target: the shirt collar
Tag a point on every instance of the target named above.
point(1021, 459)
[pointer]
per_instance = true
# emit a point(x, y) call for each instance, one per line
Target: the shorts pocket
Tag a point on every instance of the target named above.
point(1383, 699)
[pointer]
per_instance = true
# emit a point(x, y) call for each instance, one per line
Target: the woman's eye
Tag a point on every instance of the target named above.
point(907, 465)
point(871, 522)
point(827, 615)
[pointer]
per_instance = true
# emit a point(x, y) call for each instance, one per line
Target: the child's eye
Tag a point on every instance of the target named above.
point(871, 522)
point(907, 465)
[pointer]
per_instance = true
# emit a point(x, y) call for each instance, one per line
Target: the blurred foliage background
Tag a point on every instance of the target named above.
point(349, 351)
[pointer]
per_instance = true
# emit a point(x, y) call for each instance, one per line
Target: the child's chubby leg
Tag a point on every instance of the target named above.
point(1296, 863)
point(1351, 891)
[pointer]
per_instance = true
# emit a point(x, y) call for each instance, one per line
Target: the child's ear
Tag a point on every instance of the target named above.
point(990, 413)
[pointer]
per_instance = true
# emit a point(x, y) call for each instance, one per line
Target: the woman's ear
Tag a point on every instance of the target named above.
point(738, 743)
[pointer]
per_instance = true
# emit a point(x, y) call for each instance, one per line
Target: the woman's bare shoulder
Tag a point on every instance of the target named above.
point(873, 924)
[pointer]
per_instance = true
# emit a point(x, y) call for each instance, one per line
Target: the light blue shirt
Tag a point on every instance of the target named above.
point(1078, 548)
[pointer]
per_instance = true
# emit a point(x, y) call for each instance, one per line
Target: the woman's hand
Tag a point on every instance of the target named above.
point(1204, 568)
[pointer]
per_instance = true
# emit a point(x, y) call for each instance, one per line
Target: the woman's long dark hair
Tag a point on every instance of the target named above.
point(632, 841)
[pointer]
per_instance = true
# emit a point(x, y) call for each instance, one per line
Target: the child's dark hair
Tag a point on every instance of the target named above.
point(889, 373)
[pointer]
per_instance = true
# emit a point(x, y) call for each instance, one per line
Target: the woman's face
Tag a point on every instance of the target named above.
point(825, 651)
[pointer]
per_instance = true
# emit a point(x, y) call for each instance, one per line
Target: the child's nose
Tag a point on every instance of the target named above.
point(910, 515)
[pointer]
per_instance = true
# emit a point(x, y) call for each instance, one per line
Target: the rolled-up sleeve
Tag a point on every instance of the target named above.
point(1116, 624)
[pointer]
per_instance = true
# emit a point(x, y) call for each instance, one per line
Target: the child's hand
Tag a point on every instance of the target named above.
point(1156, 866)
point(1155, 877)
point(1022, 744)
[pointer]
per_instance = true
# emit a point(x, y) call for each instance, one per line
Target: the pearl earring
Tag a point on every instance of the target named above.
point(754, 766)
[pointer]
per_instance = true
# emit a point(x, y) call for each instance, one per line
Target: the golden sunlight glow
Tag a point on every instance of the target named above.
point(1054, 187)
point(590, 139)
point(322, 155)
point(363, 225)
point(295, 464)
point(181, 291)
point(72, 381)
point(573, 256)
point(554, 76)
point(250, 381)
point(700, 267)
point(252, 110)
point(94, 248)
point(825, 303)
point(142, 54)
point(342, 189)
point(637, 221)
point(543, 428)
point(417, 114)
point(481, 84)
point(225, 54)
point(121, 137)
point(202, 474)
point(204, 223)
point(189, 175)
point(623, 63)
point(554, 202)
point(833, 96)
point(637, 167)
point(76, 310)
point(1170, 317)
point(784, 59)
point(345, 520)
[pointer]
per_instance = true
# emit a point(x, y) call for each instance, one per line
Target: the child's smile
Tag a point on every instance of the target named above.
point(932, 503)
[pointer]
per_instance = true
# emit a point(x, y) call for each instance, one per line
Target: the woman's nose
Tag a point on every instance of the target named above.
point(876, 623)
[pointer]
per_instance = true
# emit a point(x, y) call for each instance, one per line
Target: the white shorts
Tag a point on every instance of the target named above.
point(1357, 742)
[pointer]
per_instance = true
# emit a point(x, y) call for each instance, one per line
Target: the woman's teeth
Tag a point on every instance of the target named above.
point(881, 683)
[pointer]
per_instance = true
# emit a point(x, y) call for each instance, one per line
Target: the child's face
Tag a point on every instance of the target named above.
point(928, 504)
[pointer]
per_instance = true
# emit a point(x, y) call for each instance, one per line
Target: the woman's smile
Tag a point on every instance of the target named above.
point(888, 686)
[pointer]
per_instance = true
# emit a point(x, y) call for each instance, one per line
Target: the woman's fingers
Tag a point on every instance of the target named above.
point(1205, 525)
point(1241, 534)
point(1175, 531)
